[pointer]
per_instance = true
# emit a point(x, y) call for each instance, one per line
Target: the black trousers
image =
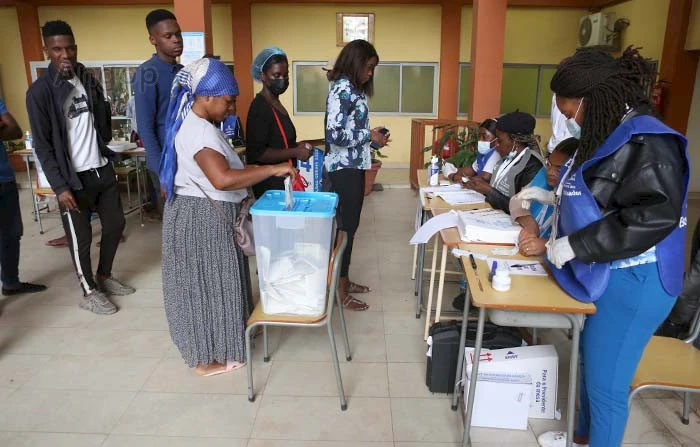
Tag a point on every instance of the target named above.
point(100, 195)
point(154, 191)
point(349, 184)
point(11, 230)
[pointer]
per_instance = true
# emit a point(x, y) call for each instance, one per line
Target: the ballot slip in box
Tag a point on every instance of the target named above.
point(502, 400)
point(540, 362)
point(487, 226)
point(292, 249)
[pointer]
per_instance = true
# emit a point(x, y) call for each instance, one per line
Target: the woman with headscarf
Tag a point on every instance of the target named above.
point(204, 281)
point(520, 162)
point(619, 228)
point(486, 155)
point(349, 136)
point(271, 135)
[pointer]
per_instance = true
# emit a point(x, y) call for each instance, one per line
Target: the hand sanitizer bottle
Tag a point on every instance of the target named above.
point(434, 171)
point(28, 141)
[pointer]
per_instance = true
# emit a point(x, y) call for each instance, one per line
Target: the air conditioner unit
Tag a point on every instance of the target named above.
point(596, 30)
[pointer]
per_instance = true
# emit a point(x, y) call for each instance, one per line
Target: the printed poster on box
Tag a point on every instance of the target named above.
point(312, 170)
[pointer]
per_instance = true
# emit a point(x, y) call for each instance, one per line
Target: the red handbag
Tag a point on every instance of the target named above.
point(300, 182)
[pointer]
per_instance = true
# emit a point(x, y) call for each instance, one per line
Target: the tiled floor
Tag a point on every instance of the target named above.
point(71, 378)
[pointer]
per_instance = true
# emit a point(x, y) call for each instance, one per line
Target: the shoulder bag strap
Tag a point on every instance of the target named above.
point(215, 204)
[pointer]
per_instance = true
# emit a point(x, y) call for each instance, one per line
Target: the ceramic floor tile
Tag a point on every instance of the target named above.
point(278, 443)
point(299, 418)
point(170, 414)
point(425, 420)
point(16, 370)
point(68, 372)
point(645, 427)
point(47, 316)
point(408, 380)
point(63, 411)
point(312, 345)
point(669, 411)
point(34, 340)
point(404, 323)
point(318, 379)
point(171, 441)
point(118, 343)
point(172, 375)
point(361, 322)
point(25, 439)
point(401, 348)
point(131, 318)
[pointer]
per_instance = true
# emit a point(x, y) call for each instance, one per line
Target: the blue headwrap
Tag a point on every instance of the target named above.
point(203, 77)
point(261, 59)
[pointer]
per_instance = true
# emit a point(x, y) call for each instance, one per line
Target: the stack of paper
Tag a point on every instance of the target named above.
point(463, 197)
point(487, 226)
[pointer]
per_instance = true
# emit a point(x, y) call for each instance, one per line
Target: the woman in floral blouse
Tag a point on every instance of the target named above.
point(349, 136)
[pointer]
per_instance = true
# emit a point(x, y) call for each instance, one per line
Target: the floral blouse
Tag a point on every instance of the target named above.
point(347, 128)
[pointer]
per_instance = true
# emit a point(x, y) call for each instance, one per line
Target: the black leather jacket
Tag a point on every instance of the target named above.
point(640, 192)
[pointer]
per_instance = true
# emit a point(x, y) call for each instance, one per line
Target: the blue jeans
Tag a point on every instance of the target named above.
point(612, 344)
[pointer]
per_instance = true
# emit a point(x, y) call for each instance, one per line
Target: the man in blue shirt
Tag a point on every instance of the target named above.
point(151, 87)
point(10, 217)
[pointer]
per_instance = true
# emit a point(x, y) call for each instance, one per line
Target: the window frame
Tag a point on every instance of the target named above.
point(436, 78)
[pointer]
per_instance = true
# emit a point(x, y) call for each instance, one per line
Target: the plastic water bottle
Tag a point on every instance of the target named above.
point(434, 172)
point(28, 140)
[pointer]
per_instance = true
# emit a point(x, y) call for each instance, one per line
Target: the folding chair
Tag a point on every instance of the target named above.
point(259, 318)
point(671, 364)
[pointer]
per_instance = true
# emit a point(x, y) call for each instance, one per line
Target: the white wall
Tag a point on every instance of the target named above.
point(693, 135)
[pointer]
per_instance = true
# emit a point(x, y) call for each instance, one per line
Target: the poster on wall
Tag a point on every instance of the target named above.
point(193, 47)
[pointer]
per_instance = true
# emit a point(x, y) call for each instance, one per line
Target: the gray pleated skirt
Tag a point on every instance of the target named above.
point(204, 282)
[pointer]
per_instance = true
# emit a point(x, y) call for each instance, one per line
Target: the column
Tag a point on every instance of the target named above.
point(195, 16)
point(486, 73)
point(30, 34)
point(242, 55)
point(449, 59)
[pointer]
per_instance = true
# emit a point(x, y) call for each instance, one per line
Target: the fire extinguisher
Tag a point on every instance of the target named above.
point(657, 95)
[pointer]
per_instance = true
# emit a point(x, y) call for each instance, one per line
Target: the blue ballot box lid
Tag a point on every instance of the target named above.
point(306, 204)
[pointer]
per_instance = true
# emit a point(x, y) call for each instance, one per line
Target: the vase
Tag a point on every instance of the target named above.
point(16, 162)
point(371, 176)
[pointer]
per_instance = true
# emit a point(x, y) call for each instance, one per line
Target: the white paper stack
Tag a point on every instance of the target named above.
point(487, 226)
point(463, 197)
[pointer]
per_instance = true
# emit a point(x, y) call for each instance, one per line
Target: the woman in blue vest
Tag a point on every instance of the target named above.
point(486, 155)
point(619, 228)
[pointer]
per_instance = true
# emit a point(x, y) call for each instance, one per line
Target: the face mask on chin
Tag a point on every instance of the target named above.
point(278, 86)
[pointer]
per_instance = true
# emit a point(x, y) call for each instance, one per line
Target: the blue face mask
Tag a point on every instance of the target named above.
point(572, 126)
point(483, 147)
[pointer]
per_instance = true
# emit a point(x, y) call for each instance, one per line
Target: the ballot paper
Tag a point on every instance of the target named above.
point(487, 226)
point(463, 197)
point(432, 226)
point(519, 266)
point(288, 197)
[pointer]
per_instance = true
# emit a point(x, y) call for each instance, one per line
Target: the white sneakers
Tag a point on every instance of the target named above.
point(555, 439)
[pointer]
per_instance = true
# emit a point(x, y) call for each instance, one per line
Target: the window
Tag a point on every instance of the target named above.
point(400, 88)
point(524, 87)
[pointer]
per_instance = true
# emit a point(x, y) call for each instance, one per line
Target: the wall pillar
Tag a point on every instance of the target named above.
point(449, 59)
point(30, 34)
point(242, 55)
point(486, 73)
point(195, 16)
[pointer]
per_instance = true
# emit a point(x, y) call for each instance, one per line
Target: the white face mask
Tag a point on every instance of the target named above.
point(571, 124)
point(483, 147)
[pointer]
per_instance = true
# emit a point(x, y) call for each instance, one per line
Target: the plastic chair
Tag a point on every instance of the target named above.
point(259, 318)
point(671, 364)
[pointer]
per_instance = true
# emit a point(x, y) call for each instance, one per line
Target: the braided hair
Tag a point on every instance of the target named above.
point(609, 88)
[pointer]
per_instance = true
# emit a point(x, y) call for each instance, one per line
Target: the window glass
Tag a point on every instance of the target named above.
point(418, 89)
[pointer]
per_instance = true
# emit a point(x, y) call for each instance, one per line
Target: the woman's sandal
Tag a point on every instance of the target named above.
point(228, 367)
point(357, 288)
point(351, 303)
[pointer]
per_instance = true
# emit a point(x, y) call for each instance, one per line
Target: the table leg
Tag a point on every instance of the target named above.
point(429, 309)
point(462, 344)
point(419, 270)
point(413, 270)
point(31, 189)
point(441, 282)
point(573, 369)
point(474, 376)
point(138, 189)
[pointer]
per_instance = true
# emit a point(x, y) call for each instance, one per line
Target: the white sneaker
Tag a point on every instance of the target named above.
point(555, 439)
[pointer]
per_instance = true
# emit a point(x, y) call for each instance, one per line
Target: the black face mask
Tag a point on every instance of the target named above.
point(278, 86)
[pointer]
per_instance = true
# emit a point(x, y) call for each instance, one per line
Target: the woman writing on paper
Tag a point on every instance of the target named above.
point(521, 160)
point(619, 228)
point(204, 281)
point(535, 217)
point(486, 157)
point(271, 135)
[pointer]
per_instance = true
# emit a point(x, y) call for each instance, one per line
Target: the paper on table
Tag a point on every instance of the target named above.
point(520, 267)
point(288, 197)
point(430, 190)
point(437, 223)
point(464, 197)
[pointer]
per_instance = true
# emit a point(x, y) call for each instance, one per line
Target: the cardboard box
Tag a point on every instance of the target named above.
point(540, 362)
point(502, 400)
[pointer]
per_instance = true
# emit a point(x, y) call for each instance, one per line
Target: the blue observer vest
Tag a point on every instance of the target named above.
point(578, 209)
point(482, 159)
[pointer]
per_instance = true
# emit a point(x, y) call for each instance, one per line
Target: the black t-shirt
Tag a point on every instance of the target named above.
point(262, 133)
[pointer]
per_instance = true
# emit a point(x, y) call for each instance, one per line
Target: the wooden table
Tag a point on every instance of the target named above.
point(530, 294)
point(426, 206)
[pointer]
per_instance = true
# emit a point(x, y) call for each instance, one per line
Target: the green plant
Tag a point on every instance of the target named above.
point(466, 140)
point(15, 145)
point(376, 154)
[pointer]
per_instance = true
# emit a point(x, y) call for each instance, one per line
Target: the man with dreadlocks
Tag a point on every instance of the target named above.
point(619, 228)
